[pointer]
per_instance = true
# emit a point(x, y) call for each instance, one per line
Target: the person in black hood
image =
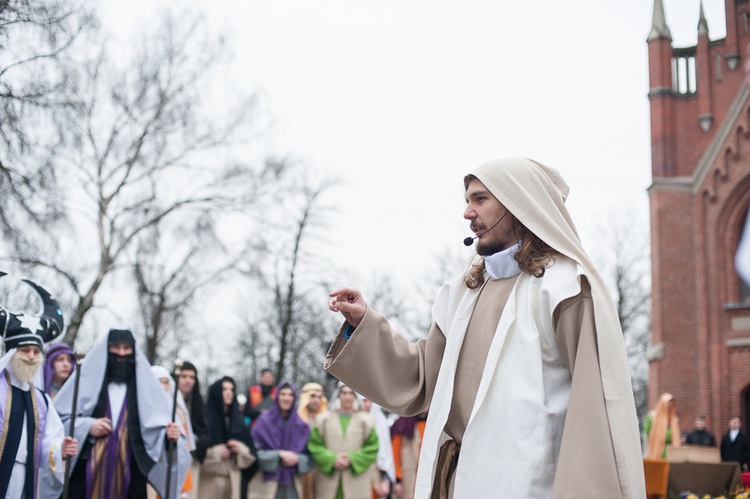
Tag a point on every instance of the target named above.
point(230, 447)
point(189, 386)
point(122, 420)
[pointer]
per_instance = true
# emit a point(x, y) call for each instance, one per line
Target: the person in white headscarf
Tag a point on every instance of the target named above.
point(383, 472)
point(525, 351)
point(182, 417)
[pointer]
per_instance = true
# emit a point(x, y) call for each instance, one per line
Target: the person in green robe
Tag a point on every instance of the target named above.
point(343, 445)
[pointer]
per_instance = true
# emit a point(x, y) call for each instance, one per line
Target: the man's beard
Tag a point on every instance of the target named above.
point(23, 369)
point(120, 368)
point(488, 248)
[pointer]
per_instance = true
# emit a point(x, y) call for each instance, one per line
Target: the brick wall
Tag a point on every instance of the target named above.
point(699, 197)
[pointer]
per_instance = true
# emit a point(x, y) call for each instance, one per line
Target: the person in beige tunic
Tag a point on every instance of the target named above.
point(524, 368)
point(229, 443)
point(343, 445)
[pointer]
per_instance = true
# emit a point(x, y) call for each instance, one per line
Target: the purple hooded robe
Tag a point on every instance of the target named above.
point(272, 432)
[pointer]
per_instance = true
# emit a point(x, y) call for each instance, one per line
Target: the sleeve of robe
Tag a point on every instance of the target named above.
point(54, 433)
point(245, 457)
point(322, 455)
point(269, 460)
point(586, 465)
point(52, 469)
point(362, 459)
point(405, 383)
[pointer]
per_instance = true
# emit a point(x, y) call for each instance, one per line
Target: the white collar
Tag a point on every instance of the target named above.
point(503, 264)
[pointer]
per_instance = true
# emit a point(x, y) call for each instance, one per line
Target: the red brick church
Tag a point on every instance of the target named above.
point(699, 198)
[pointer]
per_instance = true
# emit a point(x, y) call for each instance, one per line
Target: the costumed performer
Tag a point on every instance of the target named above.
point(123, 420)
point(343, 445)
point(525, 351)
point(59, 364)
point(280, 436)
point(231, 449)
point(32, 437)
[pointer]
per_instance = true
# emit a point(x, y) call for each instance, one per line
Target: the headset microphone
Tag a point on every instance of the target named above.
point(470, 240)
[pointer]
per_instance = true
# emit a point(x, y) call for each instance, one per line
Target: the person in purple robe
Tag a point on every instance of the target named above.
point(59, 364)
point(280, 436)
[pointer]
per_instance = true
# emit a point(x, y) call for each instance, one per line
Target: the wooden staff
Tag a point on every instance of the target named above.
point(71, 430)
point(171, 446)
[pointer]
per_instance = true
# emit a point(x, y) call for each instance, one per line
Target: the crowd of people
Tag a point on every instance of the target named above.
point(133, 430)
point(523, 371)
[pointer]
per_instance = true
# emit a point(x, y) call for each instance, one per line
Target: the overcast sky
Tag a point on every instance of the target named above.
point(398, 100)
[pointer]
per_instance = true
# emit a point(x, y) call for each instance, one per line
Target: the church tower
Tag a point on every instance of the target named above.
point(699, 198)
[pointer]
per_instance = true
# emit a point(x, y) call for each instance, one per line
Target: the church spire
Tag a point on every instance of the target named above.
point(659, 27)
point(702, 23)
point(703, 73)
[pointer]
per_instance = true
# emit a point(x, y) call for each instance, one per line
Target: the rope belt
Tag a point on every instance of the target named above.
point(446, 467)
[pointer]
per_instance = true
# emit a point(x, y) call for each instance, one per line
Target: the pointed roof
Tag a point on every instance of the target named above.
point(659, 27)
point(702, 23)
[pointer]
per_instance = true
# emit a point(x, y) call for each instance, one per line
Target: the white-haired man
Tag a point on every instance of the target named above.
point(32, 437)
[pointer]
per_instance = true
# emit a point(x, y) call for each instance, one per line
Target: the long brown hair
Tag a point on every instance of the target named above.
point(533, 256)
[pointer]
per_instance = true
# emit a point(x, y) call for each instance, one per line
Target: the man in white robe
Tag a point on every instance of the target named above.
point(524, 369)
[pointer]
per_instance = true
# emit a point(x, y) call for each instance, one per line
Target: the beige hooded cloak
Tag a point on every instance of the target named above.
point(551, 410)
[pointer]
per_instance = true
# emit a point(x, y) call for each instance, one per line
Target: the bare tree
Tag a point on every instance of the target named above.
point(255, 348)
point(147, 149)
point(171, 268)
point(625, 262)
point(36, 41)
point(291, 330)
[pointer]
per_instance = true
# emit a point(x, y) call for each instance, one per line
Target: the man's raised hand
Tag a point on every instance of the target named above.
point(350, 303)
